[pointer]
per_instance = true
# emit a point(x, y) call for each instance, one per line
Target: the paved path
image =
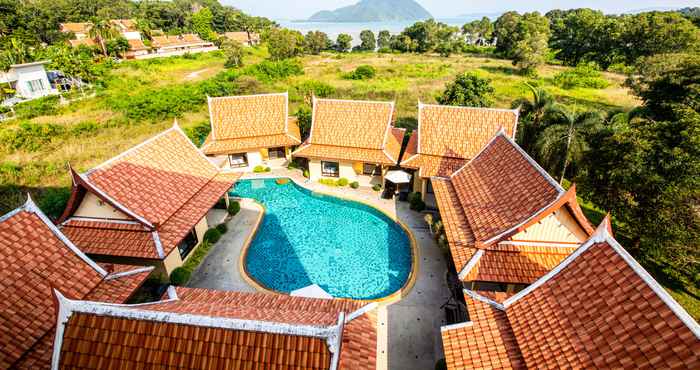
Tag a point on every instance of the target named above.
point(409, 330)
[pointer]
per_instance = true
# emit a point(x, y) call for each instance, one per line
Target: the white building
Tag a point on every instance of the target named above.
point(29, 80)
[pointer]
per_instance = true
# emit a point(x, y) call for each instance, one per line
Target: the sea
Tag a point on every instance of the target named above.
point(333, 29)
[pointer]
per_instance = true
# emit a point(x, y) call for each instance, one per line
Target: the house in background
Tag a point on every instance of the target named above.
point(125, 27)
point(597, 309)
point(146, 206)
point(245, 38)
point(351, 139)
point(29, 80)
point(247, 131)
point(447, 137)
point(507, 221)
point(177, 45)
point(207, 329)
point(37, 258)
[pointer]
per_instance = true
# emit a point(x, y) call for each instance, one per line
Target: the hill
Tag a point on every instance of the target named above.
point(374, 11)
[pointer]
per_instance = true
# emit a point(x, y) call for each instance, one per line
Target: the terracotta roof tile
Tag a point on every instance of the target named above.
point(181, 40)
point(230, 146)
point(242, 36)
point(137, 45)
point(600, 310)
point(430, 165)
point(76, 27)
point(352, 131)
point(86, 42)
point(236, 117)
point(111, 238)
point(34, 260)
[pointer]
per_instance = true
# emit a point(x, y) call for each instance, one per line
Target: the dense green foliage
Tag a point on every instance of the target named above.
point(343, 42)
point(234, 207)
point(369, 43)
point(180, 276)
point(315, 42)
point(212, 235)
point(44, 106)
point(233, 50)
point(468, 90)
point(284, 43)
point(584, 75)
point(363, 72)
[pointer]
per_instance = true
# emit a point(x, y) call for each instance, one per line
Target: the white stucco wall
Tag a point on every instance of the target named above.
point(346, 170)
point(94, 207)
point(135, 35)
point(31, 73)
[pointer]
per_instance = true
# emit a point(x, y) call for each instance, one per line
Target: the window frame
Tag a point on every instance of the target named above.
point(277, 150)
point(376, 169)
point(188, 244)
point(238, 165)
point(325, 173)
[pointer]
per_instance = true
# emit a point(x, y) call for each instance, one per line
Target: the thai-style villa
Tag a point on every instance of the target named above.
point(205, 329)
point(245, 38)
point(449, 136)
point(177, 45)
point(597, 309)
point(148, 205)
point(37, 258)
point(351, 139)
point(250, 131)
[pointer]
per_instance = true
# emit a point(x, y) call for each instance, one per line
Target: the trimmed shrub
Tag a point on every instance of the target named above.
point(306, 174)
point(363, 72)
point(268, 169)
point(416, 203)
point(328, 182)
point(282, 181)
point(222, 228)
point(354, 184)
point(377, 187)
point(212, 235)
point(180, 276)
point(233, 208)
point(415, 195)
point(343, 181)
point(258, 169)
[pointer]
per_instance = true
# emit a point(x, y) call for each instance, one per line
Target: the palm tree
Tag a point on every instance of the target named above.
point(563, 141)
point(533, 111)
point(102, 30)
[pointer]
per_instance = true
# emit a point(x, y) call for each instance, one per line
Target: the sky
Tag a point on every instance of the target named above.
point(302, 9)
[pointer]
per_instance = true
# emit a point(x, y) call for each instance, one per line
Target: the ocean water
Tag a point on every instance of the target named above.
point(333, 29)
point(347, 248)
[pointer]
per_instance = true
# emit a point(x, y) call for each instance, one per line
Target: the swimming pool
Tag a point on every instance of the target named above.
point(349, 249)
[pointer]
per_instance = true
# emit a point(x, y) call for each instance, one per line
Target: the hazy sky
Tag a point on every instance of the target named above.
point(301, 9)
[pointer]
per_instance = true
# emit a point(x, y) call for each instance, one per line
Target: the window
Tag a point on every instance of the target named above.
point(276, 153)
point(187, 244)
point(238, 160)
point(371, 169)
point(330, 169)
point(36, 85)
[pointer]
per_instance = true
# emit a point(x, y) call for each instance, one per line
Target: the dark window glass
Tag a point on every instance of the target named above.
point(238, 160)
point(330, 169)
point(371, 169)
point(276, 153)
point(186, 245)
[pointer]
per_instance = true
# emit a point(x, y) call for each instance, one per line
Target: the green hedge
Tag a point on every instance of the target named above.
point(354, 184)
point(234, 207)
point(270, 71)
point(180, 276)
point(212, 235)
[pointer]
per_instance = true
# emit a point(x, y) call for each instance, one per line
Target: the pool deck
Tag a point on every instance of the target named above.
point(409, 329)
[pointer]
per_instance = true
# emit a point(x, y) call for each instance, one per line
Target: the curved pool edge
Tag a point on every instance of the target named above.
point(391, 298)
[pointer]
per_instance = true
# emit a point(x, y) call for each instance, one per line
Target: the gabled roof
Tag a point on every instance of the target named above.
point(597, 309)
point(187, 39)
point(165, 185)
point(76, 27)
point(498, 193)
point(353, 131)
point(36, 257)
point(246, 122)
point(242, 36)
point(197, 328)
point(448, 136)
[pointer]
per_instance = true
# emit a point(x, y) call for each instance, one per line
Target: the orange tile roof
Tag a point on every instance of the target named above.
point(165, 184)
point(178, 41)
point(353, 131)
point(448, 134)
point(36, 257)
point(478, 210)
point(242, 123)
point(76, 27)
point(125, 25)
point(137, 45)
point(242, 37)
point(86, 42)
point(598, 309)
point(215, 329)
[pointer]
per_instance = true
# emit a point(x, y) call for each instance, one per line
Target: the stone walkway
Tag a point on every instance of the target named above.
point(409, 330)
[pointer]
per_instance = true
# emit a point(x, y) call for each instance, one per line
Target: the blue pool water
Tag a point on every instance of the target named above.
point(349, 249)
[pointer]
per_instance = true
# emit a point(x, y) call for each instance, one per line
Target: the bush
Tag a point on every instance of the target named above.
point(29, 136)
point(180, 276)
point(282, 181)
point(84, 128)
point(377, 187)
point(316, 88)
point(270, 71)
point(38, 107)
point(354, 184)
point(342, 181)
point(212, 235)
point(415, 201)
point(268, 169)
point(53, 201)
point(222, 228)
point(363, 72)
point(415, 195)
point(259, 169)
point(233, 208)
point(583, 75)
point(328, 182)
point(306, 174)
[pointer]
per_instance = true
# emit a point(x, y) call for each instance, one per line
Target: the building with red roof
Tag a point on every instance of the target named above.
point(506, 220)
point(206, 329)
point(37, 258)
point(148, 205)
point(598, 308)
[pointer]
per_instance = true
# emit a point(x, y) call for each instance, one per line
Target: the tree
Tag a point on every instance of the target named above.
point(531, 42)
point(647, 34)
point(14, 51)
point(532, 113)
point(445, 49)
point(343, 42)
point(202, 24)
point(303, 115)
point(478, 29)
point(102, 30)
point(315, 42)
point(384, 40)
point(468, 90)
point(233, 50)
point(505, 30)
point(284, 43)
point(368, 42)
point(578, 35)
point(117, 46)
point(402, 43)
point(564, 141)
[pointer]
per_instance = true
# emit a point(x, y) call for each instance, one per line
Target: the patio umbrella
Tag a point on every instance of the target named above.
point(311, 291)
point(398, 177)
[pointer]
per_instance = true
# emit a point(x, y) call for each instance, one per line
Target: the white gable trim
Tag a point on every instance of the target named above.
point(159, 245)
point(335, 341)
point(459, 325)
point(30, 206)
point(470, 265)
point(540, 244)
point(129, 273)
point(211, 119)
point(536, 165)
point(481, 298)
point(360, 311)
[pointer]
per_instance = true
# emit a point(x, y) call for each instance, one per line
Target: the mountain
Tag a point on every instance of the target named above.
point(374, 11)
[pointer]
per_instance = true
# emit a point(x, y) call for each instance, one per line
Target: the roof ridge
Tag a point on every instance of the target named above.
point(286, 93)
point(515, 110)
point(392, 102)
